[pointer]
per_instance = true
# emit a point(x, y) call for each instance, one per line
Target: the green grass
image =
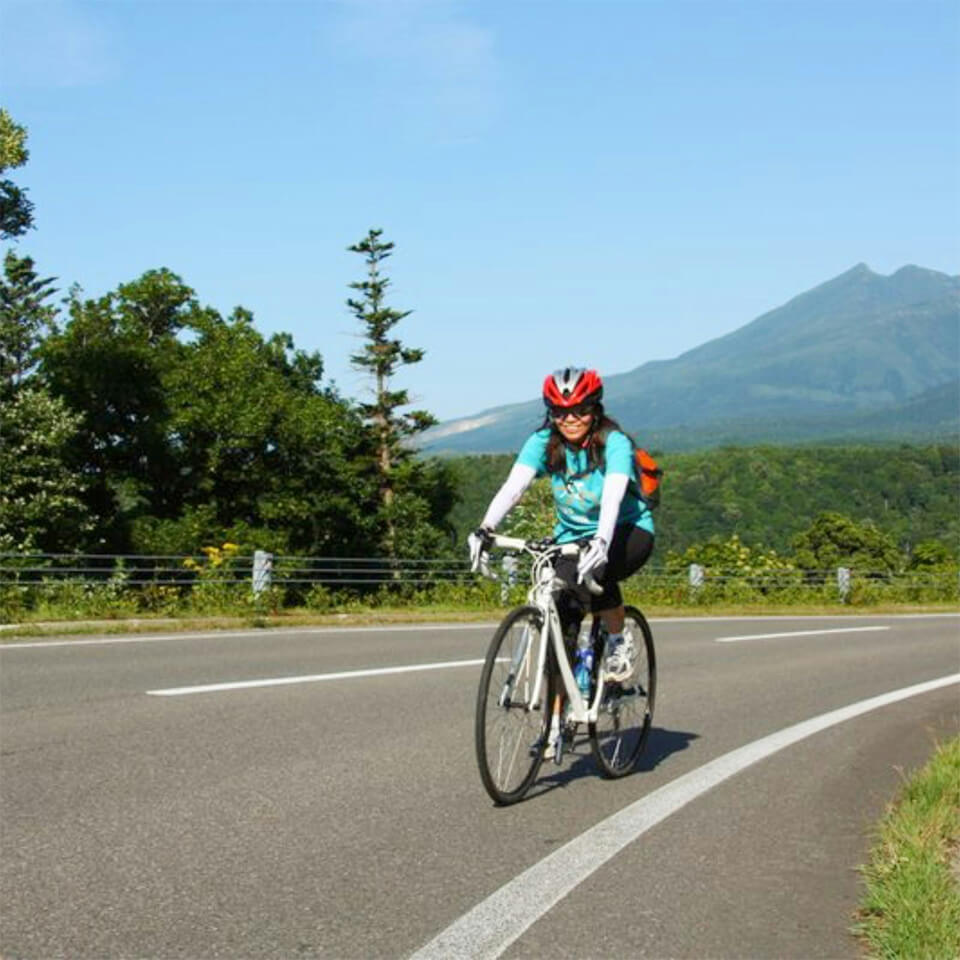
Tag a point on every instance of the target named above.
point(911, 908)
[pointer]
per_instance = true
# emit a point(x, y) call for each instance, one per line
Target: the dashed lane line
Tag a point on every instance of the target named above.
point(309, 678)
point(796, 633)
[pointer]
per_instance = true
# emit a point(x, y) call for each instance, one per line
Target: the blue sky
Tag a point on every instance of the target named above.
point(592, 182)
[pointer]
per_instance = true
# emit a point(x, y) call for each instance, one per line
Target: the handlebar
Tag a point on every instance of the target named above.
point(537, 548)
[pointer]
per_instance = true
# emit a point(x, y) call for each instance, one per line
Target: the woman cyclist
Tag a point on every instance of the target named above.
point(590, 462)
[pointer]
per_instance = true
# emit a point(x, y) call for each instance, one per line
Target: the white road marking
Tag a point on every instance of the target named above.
point(493, 925)
point(796, 633)
point(271, 632)
point(8, 646)
point(314, 678)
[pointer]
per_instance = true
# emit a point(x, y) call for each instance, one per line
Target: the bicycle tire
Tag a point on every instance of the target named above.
point(510, 738)
point(623, 725)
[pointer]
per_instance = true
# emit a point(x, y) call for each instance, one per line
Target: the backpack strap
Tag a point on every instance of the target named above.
point(644, 485)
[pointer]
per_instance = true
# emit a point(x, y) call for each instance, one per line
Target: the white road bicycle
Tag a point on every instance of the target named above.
point(529, 704)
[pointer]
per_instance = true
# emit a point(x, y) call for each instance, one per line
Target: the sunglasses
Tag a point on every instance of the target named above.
point(579, 412)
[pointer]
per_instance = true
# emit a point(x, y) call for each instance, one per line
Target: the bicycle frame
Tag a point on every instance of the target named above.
point(544, 586)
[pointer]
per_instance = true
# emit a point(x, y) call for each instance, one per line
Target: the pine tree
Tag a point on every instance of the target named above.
point(41, 494)
point(382, 356)
point(24, 319)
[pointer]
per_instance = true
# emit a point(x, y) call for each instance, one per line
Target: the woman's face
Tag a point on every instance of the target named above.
point(573, 425)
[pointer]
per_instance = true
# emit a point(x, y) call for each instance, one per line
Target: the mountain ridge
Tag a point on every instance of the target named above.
point(858, 344)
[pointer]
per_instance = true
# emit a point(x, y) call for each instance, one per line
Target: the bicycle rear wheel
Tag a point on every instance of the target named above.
point(509, 731)
point(626, 709)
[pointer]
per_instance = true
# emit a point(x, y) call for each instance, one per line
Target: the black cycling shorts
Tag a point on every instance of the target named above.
point(629, 551)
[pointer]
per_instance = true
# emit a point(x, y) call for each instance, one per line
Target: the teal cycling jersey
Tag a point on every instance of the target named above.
point(577, 491)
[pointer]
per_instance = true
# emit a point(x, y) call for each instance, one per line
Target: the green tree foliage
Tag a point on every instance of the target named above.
point(414, 498)
point(41, 499)
point(275, 458)
point(767, 496)
point(476, 479)
point(931, 555)
point(16, 211)
point(728, 557)
point(110, 363)
point(197, 430)
point(833, 540)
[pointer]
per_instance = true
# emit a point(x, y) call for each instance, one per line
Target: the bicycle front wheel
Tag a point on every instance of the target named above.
point(509, 728)
point(626, 708)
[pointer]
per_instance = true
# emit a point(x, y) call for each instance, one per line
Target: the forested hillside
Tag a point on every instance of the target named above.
point(767, 495)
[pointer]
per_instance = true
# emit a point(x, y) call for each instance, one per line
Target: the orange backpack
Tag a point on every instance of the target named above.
point(647, 485)
point(648, 476)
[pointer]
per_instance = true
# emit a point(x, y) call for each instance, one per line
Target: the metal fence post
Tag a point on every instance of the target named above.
point(509, 578)
point(262, 571)
point(843, 583)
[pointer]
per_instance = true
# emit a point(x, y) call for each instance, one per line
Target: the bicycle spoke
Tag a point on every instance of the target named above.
point(508, 726)
point(626, 709)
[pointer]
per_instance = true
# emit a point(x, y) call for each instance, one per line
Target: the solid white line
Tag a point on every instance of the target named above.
point(271, 632)
point(13, 644)
point(314, 678)
point(796, 633)
point(489, 928)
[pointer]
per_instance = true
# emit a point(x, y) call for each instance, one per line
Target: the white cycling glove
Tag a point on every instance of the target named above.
point(478, 543)
point(592, 558)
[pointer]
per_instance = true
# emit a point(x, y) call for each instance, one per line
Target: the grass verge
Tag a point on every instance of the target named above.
point(911, 907)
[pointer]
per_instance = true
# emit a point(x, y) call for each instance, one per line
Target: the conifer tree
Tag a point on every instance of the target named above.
point(382, 355)
point(41, 495)
point(25, 318)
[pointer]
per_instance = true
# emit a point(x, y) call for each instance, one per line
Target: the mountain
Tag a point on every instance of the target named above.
point(862, 356)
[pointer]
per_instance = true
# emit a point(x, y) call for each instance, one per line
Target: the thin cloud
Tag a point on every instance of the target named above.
point(51, 44)
point(424, 58)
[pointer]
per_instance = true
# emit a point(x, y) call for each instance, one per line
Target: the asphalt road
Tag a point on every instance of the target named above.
point(344, 816)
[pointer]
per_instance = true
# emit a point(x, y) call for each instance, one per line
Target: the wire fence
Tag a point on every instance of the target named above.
point(142, 570)
point(261, 571)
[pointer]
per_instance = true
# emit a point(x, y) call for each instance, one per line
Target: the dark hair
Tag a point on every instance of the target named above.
point(596, 441)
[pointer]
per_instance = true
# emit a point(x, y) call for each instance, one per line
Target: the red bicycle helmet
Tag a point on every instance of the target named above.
point(571, 387)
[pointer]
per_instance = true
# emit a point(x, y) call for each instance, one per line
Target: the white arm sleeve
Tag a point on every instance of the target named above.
point(614, 487)
point(513, 488)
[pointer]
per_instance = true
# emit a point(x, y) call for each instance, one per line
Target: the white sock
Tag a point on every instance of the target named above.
point(554, 726)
